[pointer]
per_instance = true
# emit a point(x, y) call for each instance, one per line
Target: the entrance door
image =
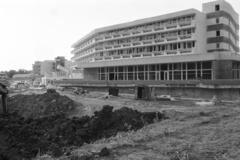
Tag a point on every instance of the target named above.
point(166, 75)
point(111, 76)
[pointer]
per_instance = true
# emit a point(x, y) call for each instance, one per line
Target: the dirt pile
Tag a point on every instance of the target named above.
point(37, 105)
point(26, 137)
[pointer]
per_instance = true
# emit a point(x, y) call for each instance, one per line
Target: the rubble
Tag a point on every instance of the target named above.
point(37, 105)
point(26, 137)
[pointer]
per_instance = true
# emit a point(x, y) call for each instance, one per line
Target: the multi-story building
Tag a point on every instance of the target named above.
point(183, 45)
point(37, 67)
point(47, 66)
point(59, 61)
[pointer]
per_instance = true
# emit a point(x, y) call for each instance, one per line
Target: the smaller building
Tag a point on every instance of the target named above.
point(47, 66)
point(59, 61)
point(52, 76)
point(36, 67)
point(26, 77)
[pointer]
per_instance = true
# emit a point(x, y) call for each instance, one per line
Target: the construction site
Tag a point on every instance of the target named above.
point(159, 88)
point(75, 123)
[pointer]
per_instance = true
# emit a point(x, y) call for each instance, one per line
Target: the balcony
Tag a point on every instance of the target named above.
point(136, 32)
point(99, 48)
point(108, 46)
point(158, 53)
point(158, 40)
point(158, 28)
point(107, 57)
point(147, 54)
point(149, 41)
point(186, 36)
point(185, 23)
point(126, 33)
point(116, 34)
point(171, 51)
point(172, 38)
point(136, 43)
point(126, 44)
point(116, 56)
point(117, 45)
point(98, 58)
point(126, 56)
point(108, 36)
point(185, 50)
point(145, 30)
point(172, 25)
point(136, 55)
point(97, 38)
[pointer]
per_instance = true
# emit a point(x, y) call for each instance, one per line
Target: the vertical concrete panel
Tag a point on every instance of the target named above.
point(225, 68)
point(215, 69)
point(90, 74)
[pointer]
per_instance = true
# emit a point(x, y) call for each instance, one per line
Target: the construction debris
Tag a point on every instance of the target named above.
point(213, 101)
point(37, 105)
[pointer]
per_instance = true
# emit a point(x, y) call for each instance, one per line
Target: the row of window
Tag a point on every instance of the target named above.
point(158, 23)
point(172, 71)
point(149, 25)
point(150, 37)
point(175, 46)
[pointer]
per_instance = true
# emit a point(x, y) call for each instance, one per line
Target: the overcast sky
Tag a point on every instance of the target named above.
point(37, 30)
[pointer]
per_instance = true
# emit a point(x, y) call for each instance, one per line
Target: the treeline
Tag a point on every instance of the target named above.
point(11, 73)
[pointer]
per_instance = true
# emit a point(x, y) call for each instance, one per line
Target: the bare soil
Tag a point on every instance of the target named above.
point(192, 132)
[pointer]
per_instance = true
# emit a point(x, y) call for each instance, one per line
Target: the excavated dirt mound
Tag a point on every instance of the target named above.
point(37, 105)
point(26, 137)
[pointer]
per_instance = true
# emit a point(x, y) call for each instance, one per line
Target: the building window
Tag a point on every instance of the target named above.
point(218, 45)
point(217, 7)
point(217, 20)
point(217, 33)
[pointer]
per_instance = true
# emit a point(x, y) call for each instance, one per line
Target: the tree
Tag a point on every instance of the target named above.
point(11, 73)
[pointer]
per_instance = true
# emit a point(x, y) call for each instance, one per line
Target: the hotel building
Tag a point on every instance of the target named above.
point(183, 45)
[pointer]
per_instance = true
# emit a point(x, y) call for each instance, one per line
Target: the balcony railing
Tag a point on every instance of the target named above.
point(172, 25)
point(145, 54)
point(117, 45)
point(108, 46)
point(136, 32)
point(158, 40)
point(116, 34)
point(108, 36)
point(99, 48)
point(186, 36)
point(185, 23)
point(170, 38)
point(185, 50)
point(157, 28)
point(149, 41)
point(99, 38)
point(126, 33)
point(145, 30)
point(136, 43)
point(126, 44)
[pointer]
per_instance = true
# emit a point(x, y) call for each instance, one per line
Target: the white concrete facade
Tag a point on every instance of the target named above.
point(187, 32)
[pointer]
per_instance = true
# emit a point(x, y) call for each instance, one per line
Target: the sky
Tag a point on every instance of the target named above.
point(38, 30)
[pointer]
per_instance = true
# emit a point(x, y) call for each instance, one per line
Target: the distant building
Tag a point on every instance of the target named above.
point(183, 45)
point(47, 66)
point(59, 61)
point(36, 68)
point(25, 77)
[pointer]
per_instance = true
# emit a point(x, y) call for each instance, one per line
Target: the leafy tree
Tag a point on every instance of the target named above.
point(11, 73)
